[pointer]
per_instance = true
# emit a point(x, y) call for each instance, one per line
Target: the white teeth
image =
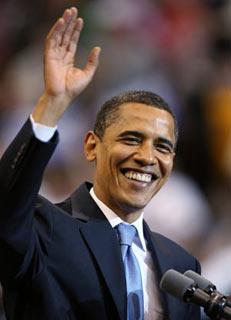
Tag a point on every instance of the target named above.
point(143, 177)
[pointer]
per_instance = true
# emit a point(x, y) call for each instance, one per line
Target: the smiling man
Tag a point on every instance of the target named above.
point(93, 256)
point(134, 155)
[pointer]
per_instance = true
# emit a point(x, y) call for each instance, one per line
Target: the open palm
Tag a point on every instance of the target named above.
point(62, 78)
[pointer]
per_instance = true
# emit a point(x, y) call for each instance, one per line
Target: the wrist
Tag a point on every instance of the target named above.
point(49, 109)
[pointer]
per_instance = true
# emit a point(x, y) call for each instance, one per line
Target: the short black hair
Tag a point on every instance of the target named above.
point(108, 113)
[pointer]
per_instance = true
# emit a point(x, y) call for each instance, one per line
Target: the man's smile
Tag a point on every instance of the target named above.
point(138, 175)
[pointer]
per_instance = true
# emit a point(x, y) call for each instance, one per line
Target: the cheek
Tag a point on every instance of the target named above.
point(110, 158)
point(107, 161)
point(118, 155)
point(166, 166)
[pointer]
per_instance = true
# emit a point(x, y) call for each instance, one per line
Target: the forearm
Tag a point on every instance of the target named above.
point(25, 156)
point(21, 171)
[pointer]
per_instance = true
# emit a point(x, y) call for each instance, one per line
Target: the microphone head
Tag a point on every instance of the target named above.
point(176, 283)
point(202, 282)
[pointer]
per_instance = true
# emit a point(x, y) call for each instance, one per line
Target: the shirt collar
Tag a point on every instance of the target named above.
point(114, 220)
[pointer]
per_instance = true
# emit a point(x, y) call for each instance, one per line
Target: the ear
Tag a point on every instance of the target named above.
point(90, 143)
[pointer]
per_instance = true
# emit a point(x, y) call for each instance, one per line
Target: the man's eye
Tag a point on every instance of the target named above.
point(131, 140)
point(163, 148)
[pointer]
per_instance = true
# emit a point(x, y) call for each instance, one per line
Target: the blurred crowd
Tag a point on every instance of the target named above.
point(178, 49)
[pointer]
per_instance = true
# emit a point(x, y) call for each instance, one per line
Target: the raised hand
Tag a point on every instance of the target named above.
point(63, 80)
point(61, 75)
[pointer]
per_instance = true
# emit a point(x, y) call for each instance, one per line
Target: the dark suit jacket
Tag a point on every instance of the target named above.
point(64, 262)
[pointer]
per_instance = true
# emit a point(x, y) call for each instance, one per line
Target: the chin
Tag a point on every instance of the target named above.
point(133, 206)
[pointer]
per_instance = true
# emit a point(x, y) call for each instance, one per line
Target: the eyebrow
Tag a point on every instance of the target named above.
point(137, 133)
point(131, 133)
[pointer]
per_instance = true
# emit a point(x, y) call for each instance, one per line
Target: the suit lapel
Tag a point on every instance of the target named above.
point(162, 262)
point(102, 241)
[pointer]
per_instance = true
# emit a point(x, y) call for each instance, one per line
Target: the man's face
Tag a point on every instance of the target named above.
point(134, 158)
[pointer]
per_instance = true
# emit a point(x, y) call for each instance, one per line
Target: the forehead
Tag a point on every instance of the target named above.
point(141, 117)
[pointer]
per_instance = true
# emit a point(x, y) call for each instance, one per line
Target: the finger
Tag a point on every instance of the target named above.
point(54, 37)
point(75, 36)
point(93, 62)
point(70, 26)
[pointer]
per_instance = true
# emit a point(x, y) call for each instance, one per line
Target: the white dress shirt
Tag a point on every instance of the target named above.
point(152, 305)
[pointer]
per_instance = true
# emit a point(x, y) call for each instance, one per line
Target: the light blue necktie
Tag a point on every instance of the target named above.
point(135, 303)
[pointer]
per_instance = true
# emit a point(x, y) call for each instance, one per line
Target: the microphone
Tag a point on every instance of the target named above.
point(202, 282)
point(205, 285)
point(185, 288)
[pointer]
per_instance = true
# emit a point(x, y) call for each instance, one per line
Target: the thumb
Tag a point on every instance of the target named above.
point(92, 62)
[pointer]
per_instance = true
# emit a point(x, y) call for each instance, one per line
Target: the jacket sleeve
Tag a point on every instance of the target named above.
point(21, 171)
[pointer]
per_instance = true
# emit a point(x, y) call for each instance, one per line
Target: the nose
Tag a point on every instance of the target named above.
point(145, 155)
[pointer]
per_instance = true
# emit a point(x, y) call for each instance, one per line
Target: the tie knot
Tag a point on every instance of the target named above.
point(126, 234)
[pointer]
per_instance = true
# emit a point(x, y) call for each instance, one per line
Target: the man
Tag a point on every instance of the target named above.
point(65, 262)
